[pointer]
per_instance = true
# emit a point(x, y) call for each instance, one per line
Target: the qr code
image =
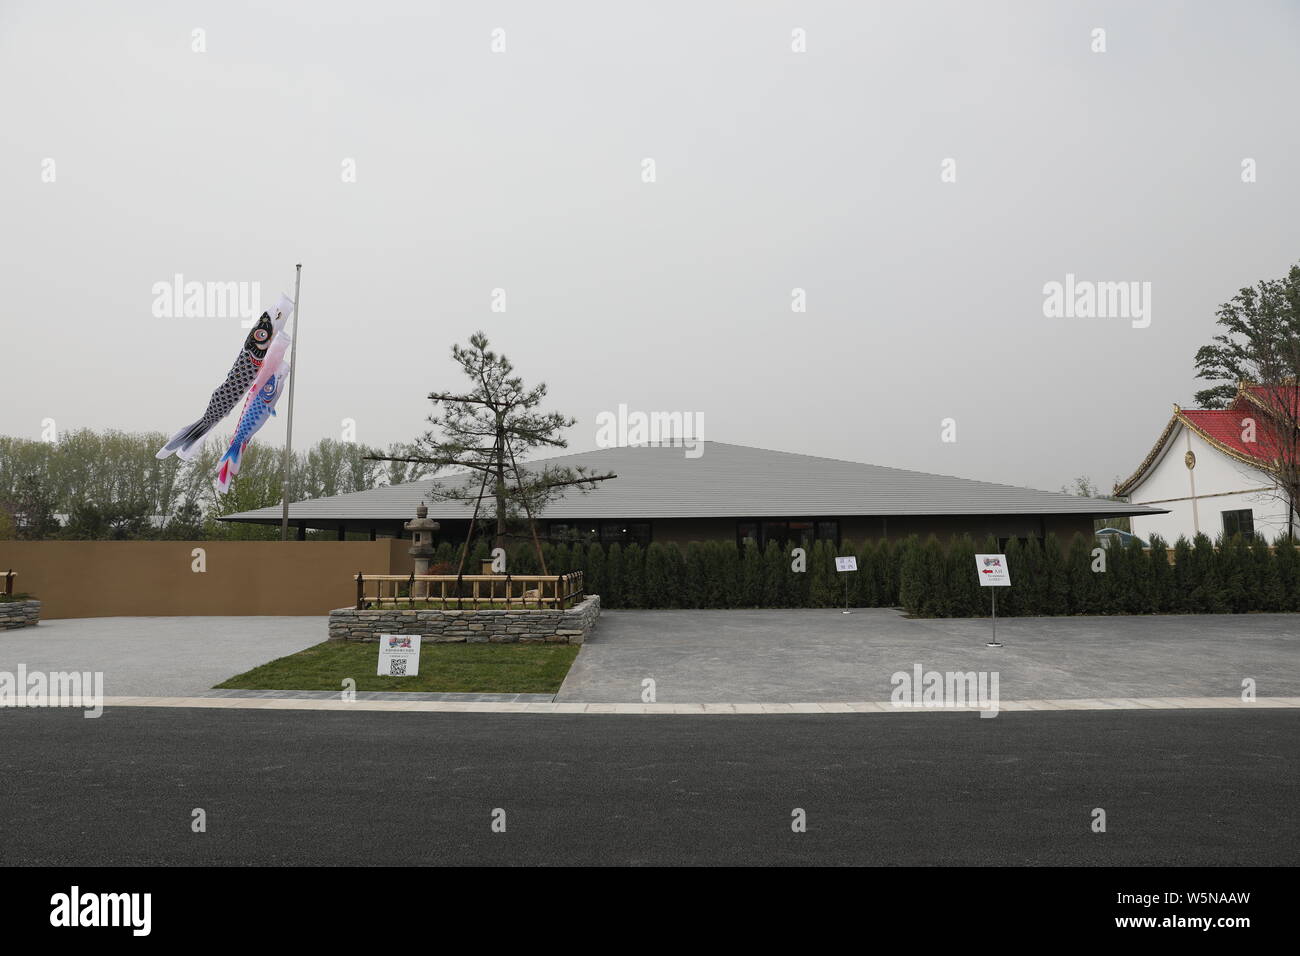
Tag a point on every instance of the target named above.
point(397, 667)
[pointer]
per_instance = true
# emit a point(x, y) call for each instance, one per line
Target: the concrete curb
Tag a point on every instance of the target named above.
point(710, 709)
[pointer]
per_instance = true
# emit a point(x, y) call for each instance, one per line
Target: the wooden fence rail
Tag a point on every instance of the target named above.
point(453, 592)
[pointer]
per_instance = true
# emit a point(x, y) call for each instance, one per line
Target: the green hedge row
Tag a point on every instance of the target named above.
point(932, 579)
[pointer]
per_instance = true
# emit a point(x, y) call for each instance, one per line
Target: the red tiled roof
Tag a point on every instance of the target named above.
point(1225, 428)
point(1281, 399)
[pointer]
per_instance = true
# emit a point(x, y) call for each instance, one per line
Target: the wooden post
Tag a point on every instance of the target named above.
point(361, 592)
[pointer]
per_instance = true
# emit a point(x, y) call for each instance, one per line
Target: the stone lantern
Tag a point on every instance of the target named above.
point(422, 529)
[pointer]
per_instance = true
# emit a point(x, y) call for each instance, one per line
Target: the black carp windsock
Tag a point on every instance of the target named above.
point(188, 442)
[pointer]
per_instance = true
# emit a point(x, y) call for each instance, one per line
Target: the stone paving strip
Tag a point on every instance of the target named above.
point(321, 700)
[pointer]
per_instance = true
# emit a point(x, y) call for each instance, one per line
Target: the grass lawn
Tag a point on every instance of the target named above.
point(446, 668)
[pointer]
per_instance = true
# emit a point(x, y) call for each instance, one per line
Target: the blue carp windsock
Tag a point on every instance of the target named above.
point(277, 353)
point(257, 412)
point(187, 442)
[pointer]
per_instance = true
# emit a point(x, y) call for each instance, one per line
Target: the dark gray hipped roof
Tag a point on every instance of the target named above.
point(726, 481)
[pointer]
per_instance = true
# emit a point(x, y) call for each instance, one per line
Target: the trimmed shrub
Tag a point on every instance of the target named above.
point(1287, 561)
point(695, 594)
point(752, 577)
point(659, 586)
point(594, 579)
point(776, 575)
point(633, 575)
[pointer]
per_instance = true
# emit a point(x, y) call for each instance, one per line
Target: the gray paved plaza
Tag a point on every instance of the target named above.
point(740, 656)
point(158, 656)
point(824, 655)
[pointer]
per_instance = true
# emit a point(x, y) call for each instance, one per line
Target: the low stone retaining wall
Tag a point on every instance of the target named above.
point(19, 614)
point(524, 626)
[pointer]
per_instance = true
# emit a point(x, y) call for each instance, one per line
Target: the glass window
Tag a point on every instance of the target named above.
point(570, 531)
point(746, 533)
point(828, 531)
point(800, 534)
point(625, 532)
point(1239, 522)
point(774, 531)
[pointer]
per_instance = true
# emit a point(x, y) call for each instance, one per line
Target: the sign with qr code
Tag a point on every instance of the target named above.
point(846, 564)
point(399, 655)
point(993, 571)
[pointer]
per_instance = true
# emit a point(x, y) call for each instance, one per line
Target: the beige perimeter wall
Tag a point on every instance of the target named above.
point(156, 578)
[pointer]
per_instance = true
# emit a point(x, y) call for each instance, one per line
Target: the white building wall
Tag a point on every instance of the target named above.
point(1196, 499)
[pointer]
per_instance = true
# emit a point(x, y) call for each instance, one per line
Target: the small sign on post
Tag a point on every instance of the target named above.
point(993, 573)
point(399, 655)
point(849, 563)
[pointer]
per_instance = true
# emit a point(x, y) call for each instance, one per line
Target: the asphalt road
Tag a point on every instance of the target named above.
point(278, 787)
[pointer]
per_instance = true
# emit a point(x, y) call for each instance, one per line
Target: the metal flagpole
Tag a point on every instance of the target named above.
point(994, 642)
point(288, 429)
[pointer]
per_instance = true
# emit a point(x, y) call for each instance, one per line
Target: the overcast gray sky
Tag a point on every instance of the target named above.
point(522, 170)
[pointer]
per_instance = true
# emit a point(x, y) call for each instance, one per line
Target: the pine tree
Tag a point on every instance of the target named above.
point(634, 575)
point(486, 430)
